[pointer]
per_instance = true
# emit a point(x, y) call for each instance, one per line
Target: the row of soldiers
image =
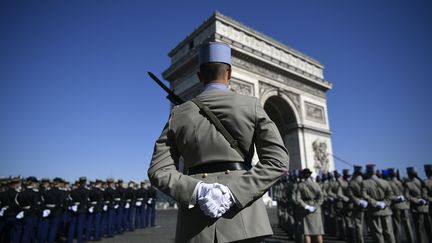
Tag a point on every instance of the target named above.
point(391, 208)
point(53, 211)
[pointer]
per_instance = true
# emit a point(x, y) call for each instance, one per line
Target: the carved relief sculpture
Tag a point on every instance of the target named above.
point(320, 156)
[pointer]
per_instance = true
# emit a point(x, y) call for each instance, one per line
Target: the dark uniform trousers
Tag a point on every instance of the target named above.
point(401, 218)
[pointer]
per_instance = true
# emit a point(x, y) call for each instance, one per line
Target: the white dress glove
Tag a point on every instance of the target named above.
point(116, 206)
point(74, 208)
point(401, 198)
point(311, 209)
point(150, 201)
point(138, 204)
point(2, 211)
point(105, 208)
point(127, 205)
point(214, 199)
point(20, 215)
point(421, 201)
point(363, 203)
point(91, 209)
point(380, 205)
point(46, 213)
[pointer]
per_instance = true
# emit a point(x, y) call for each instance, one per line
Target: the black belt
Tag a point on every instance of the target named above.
point(216, 167)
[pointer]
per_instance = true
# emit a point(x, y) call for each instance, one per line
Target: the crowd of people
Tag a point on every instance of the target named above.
point(45, 210)
point(377, 202)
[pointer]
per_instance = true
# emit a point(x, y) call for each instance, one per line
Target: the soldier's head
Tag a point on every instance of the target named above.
point(215, 63)
point(45, 182)
point(98, 183)
point(358, 170)
point(15, 183)
point(330, 176)
point(412, 172)
point(58, 182)
point(346, 174)
point(370, 170)
point(120, 182)
point(336, 174)
point(31, 182)
point(306, 173)
point(428, 170)
point(82, 181)
point(391, 172)
point(110, 182)
point(131, 184)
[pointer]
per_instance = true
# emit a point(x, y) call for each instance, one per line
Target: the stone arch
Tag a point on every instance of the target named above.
point(274, 92)
point(283, 113)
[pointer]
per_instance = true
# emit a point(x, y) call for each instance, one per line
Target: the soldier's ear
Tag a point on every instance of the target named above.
point(229, 73)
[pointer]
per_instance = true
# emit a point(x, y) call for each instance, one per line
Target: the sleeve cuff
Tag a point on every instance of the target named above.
point(193, 200)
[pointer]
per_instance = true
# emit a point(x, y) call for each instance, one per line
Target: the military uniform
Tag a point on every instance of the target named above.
point(191, 135)
point(415, 193)
point(150, 215)
point(309, 194)
point(12, 231)
point(355, 193)
point(119, 203)
point(378, 193)
point(78, 206)
point(109, 202)
point(348, 206)
point(94, 212)
point(338, 205)
point(141, 200)
point(28, 204)
point(129, 207)
point(400, 208)
point(51, 213)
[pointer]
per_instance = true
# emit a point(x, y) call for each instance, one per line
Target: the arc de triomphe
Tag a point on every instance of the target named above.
point(289, 84)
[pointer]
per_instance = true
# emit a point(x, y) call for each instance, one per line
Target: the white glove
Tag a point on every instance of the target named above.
point(311, 209)
point(363, 203)
point(2, 211)
point(401, 198)
point(91, 209)
point(105, 208)
point(127, 205)
point(116, 206)
point(421, 201)
point(20, 215)
point(46, 213)
point(150, 201)
point(74, 208)
point(380, 205)
point(214, 199)
point(138, 204)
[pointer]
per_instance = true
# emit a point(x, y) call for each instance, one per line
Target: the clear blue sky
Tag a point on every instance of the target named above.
point(75, 98)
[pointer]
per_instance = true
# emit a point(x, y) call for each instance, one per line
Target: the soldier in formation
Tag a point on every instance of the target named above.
point(33, 210)
point(377, 203)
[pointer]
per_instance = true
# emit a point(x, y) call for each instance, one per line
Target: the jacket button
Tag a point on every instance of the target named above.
point(204, 175)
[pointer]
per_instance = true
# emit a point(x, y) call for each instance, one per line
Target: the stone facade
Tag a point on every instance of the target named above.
point(289, 84)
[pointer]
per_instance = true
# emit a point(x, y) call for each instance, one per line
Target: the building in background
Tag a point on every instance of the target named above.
point(289, 84)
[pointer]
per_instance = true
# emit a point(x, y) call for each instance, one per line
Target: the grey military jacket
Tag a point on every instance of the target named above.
point(398, 190)
point(190, 135)
point(377, 190)
point(414, 191)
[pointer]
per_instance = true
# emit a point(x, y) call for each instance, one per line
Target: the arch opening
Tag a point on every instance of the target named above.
point(282, 114)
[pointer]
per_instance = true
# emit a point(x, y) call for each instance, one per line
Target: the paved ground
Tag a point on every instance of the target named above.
point(166, 221)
